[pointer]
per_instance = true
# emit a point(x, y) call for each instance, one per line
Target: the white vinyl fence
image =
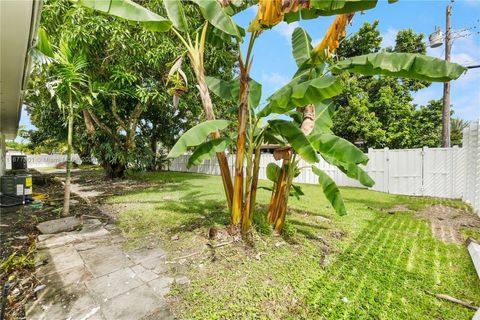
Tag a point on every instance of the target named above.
point(436, 172)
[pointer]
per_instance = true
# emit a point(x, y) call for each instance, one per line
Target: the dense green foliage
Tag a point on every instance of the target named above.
point(127, 67)
point(378, 111)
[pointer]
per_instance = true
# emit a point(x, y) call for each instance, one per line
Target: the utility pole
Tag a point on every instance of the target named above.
point(446, 85)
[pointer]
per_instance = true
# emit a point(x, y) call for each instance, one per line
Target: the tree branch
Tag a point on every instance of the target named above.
point(116, 115)
point(103, 126)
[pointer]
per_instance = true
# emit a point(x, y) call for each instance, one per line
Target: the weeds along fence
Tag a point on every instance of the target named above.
point(437, 172)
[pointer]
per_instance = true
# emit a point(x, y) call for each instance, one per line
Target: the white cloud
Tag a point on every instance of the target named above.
point(389, 37)
point(274, 79)
point(286, 29)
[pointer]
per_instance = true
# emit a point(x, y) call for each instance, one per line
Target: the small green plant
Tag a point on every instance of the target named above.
point(16, 261)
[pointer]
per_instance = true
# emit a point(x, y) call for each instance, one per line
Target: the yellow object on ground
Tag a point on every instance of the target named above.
point(39, 196)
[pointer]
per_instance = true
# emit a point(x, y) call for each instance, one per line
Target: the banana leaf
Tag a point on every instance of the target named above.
point(329, 8)
point(300, 92)
point(353, 171)
point(295, 138)
point(323, 117)
point(207, 150)
point(131, 11)
point(214, 13)
point(402, 65)
point(196, 135)
point(338, 148)
point(331, 191)
point(301, 46)
point(176, 14)
point(230, 90)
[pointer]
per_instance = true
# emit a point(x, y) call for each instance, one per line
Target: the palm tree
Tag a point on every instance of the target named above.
point(66, 69)
point(456, 126)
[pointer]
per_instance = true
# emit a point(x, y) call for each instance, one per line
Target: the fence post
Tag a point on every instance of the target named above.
point(386, 169)
point(422, 170)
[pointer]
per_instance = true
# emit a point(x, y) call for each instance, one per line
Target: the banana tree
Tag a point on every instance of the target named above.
point(308, 135)
point(66, 68)
point(192, 40)
point(305, 99)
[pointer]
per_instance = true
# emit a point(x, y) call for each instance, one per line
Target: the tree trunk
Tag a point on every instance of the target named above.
point(114, 170)
point(250, 199)
point(278, 195)
point(66, 199)
point(221, 157)
point(241, 140)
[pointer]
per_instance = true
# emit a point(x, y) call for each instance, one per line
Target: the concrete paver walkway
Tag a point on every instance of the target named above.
point(88, 275)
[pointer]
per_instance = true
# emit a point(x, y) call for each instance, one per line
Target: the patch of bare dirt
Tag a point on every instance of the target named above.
point(397, 208)
point(447, 221)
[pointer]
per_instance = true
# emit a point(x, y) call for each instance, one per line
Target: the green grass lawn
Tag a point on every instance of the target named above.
point(366, 265)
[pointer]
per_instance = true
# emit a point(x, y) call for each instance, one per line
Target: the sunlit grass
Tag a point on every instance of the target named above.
point(366, 265)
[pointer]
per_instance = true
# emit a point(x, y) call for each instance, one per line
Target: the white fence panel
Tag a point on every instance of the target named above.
point(405, 171)
point(378, 169)
point(441, 166)
point(471, 144)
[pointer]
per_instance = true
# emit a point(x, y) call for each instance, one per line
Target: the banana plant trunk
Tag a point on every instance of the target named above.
point(237, 204)
point(66, 198)
point(254, 186)
point(221, 157)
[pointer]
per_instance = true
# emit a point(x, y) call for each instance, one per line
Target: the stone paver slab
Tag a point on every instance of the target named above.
point(60, 259)
point(76, 275)
point(153, 263)
point(59, 225)
point(144, 274)
point(134, 304)
point(64, 303)
point(106, 259)
point(113, 284)
point(145, 254)
point(71, 237)
point(161, 286)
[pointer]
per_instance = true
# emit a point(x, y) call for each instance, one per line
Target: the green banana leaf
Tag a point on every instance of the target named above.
point(331, 191)
point(273, 171)
point(295, 138)
point(352, 170)
point(301, 46)
point(207, 150)
point(296, 191)
point(230, 90)
point(196, 135)
point(338, 148)
point(299, 93)
point(330, 8)
point(214, 13)
point(176, 14)
point(129, 10)
point(323, 117)
point(403, 65)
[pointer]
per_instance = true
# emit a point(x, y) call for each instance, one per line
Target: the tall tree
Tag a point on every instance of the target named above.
point(378, 112)
point(66, 82)
point(128, 66)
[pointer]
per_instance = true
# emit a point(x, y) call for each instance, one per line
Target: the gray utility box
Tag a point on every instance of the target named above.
point(17, 185)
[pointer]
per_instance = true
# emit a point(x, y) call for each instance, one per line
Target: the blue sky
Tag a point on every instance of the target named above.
point(274, 65)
